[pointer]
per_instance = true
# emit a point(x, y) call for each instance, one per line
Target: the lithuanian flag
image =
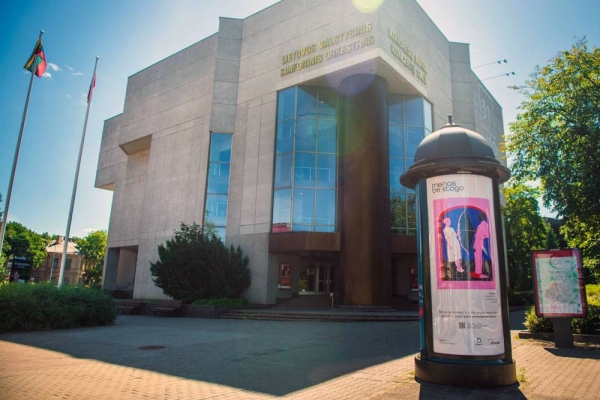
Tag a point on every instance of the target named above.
point(37, 59)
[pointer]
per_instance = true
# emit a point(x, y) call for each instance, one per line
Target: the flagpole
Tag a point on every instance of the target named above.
point(64, 256)
point(16, 158)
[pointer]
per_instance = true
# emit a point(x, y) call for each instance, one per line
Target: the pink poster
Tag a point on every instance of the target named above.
point(462, 246)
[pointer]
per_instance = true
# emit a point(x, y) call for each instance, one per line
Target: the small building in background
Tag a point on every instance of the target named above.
point(50, 268)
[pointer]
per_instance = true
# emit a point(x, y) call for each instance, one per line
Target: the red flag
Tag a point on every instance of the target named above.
point(37, 59)
point(92, 86)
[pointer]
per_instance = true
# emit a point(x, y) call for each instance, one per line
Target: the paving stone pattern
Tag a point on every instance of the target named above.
point(242, 359)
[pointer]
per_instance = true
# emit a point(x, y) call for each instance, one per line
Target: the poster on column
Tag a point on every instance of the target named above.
point(465, 287)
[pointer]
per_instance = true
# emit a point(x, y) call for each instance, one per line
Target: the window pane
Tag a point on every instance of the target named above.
point(218, 178)
point(326, 170)
point(414, 136)
point(411, 207)
point(220, 147)
point(327, 140)
point(220, 232)
point(304, 169)
point(216, 209)
point(328, 103)
point(285, 136)
point(413, 111)
point(283, 171)
point(325, 207)
point(396, 141)
point(325, 228)
point(398, 209)
point(307, 102)
point(395, 110)
point(303, 228)
point(396, 169)
point(306, 134)
point(427, 115)
point(282, 202)
point(304, 206)
point(286, 105)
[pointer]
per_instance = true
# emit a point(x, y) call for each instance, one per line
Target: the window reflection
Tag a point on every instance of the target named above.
point(217, 185)
point(306, 159)
point(410, 120)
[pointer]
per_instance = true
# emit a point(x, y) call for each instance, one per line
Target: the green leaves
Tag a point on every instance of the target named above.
point(197, 265)
point(556, 140)
point(525, 231)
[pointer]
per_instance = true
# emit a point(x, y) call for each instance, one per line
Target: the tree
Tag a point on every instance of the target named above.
point(93, 248)
point(556, 140)
point(525, 231)
point(196, 264)
point(19, 241)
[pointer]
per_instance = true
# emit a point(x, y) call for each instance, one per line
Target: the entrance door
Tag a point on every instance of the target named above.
point(317, 278)
point(326, 278)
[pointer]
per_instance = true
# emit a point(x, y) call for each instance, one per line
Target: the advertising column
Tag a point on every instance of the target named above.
point(464, 268)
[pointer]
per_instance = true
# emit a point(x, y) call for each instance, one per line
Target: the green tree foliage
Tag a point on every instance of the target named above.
point(525, 231)
point(22, 242)
point(551, 239)
point(556, 140)
point(93, 248)
point(197, 265)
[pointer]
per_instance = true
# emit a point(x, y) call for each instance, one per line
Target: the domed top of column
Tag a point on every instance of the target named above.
point(454, 149)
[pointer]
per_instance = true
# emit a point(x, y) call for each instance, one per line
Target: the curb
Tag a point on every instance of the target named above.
point(549, 336)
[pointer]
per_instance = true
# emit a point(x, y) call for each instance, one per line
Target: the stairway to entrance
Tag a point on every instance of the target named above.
point(306, 302)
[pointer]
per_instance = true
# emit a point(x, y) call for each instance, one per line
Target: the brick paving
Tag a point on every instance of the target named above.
point(240, 359)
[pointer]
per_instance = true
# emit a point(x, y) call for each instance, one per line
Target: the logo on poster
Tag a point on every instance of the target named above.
point(449, 186)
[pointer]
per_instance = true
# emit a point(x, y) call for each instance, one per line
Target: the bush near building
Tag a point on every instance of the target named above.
point(42, 306)
point(196, 264)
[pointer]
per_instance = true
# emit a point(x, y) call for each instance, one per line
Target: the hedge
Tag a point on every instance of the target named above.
point(42, 306)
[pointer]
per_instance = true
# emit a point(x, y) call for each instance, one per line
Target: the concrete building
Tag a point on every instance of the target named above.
point(288, 130)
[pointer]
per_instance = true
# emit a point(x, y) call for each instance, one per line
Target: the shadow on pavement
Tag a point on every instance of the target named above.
point(592, 353)
point(271, 357)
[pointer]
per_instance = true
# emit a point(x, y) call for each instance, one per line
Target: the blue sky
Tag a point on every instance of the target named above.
point(130, 35)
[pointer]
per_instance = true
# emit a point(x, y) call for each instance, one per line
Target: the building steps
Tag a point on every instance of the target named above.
point(305, 302)
point(334, 315)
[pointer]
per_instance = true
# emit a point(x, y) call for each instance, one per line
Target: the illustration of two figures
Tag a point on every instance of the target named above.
point(466, 235)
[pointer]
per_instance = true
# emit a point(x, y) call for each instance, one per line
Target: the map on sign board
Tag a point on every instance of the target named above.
point(558, 280)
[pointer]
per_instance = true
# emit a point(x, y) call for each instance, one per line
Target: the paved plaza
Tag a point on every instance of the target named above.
point(143, 357)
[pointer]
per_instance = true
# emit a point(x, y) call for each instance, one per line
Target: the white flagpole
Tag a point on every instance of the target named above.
point(64, 256)
point(16, 159)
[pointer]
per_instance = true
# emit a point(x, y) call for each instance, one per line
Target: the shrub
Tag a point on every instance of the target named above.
point(197, 265)
point(533, 323)
point(41, 306)
point(220, 302)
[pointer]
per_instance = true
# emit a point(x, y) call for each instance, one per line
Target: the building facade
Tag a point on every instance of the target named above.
point(288, 132)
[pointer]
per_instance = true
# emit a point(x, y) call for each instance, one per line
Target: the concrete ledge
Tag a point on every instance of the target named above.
point(549, 336)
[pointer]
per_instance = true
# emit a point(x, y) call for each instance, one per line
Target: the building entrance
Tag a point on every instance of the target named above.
point(317, 278)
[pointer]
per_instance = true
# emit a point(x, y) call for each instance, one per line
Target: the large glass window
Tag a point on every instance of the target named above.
point(217, 186)
point(305, 183)
point(409, 120)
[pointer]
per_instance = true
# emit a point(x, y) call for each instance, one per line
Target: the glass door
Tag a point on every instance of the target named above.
point(326, 277)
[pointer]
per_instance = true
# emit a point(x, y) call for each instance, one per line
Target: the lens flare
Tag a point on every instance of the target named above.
point(367, 6)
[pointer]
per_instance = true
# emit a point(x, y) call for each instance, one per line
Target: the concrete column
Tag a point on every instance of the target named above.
point(364, 191)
